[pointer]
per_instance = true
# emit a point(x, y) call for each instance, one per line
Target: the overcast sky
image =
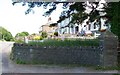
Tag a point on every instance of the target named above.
point(13, 18)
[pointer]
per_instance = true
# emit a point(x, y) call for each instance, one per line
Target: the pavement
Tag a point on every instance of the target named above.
point(8, 66)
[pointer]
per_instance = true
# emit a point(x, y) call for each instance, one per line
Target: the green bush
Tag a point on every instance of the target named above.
point(56, 33)
point(44, 34)
point(5, 34)
point(19, 41)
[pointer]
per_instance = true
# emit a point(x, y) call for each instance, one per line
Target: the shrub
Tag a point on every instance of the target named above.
point(37, 38)
point(56, 33)
point(19, 41)
point(44, 34)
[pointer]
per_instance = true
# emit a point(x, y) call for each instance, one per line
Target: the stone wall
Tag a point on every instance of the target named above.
point(110, 42)
point(58, 55)
point(104, 55)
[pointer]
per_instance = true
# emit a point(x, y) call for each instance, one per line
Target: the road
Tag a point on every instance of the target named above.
point(9, 66)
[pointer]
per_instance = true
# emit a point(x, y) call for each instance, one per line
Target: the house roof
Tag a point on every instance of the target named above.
point(53, 24)
point(44, 25)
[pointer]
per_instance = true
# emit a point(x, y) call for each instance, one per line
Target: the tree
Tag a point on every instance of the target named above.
point(77, 6)
point(76, 9)
point(72, 6)
point(113, 14)
point(26, 33)
point(5, 34)
point(22, 34)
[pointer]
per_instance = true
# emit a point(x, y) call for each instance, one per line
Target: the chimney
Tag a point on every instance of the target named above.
point(49, 19)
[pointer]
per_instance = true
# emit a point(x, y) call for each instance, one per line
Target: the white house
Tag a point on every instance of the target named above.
point(88, 28)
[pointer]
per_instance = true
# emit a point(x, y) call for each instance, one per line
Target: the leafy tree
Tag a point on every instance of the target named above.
point(72, 7)
point(113, 14)
point(5, 34)
point(76, 10)
point(26, 33)
point(22, 34)
point(77, 6)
